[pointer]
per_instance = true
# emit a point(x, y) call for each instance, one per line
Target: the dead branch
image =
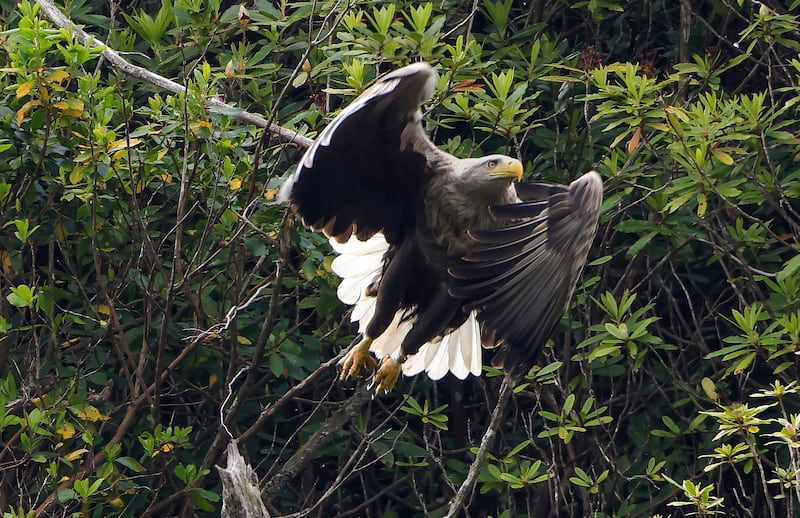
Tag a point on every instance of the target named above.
point(240, 495)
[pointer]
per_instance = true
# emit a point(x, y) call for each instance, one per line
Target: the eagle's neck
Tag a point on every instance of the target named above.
point(453, 208)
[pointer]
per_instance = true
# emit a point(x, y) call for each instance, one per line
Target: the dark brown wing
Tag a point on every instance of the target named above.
point(521, 277)
point(365, 171)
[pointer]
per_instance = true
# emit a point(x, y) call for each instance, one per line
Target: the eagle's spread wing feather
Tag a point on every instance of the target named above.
point(521, 277)
point(364, 172)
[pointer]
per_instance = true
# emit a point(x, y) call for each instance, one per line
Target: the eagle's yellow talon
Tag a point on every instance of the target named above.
point(359, 358)
point(387, 374)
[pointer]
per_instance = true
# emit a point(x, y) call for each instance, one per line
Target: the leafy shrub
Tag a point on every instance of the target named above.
point(152, 290)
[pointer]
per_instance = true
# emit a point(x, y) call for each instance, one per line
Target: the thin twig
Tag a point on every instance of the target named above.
point(325, 433)
point(461, 500)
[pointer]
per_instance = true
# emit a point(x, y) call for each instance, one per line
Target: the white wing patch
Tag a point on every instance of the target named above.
point(360, 264)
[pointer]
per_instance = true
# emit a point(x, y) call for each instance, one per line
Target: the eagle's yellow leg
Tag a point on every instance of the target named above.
point(386, 376)
point(357, 359)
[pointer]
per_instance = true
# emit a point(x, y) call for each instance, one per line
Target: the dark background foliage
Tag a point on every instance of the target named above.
point(152, 290)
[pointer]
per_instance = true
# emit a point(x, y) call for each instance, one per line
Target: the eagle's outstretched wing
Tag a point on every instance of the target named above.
point(366, 169)
point(521, 277)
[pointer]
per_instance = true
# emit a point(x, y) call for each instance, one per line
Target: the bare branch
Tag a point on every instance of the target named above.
point(322, 436)
point(240, 497)
point(462, 498)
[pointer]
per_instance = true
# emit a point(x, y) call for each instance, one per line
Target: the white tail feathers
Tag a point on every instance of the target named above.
point(458, 352)
point(360, 264)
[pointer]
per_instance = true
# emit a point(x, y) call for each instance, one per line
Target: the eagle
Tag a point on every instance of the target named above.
point(440, 255)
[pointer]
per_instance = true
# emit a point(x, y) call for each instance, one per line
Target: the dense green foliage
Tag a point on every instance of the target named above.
point(150, 287)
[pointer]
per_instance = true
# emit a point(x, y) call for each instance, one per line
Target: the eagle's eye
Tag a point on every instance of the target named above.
point(491, 164)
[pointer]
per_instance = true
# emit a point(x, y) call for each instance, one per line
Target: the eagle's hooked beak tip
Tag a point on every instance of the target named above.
point(513, 168)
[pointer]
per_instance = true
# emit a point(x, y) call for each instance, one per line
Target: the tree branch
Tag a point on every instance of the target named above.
point(240, 498)
point(60, 20)
point(464, 494)
point(321, 437)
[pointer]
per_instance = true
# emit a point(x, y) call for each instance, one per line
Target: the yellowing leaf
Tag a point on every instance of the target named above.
point(165, 448)
point(124, 143)
point(702, 204)
point(76, 175)
point(75, 455)
point(89, 413)
point(61, 105)
point(103, 309)
point(709, 388)
point(24, 89)
point(24, 109)
point(5, 261)
point(243, 340)
point(633, 143)
point(722, 156)
point(117, 502)
point(270, 194)
point(212, 380)
point(67, 431)
point(69, 342)
point(659, 126)
point(74, 108)
point(236, 184)
point(58, 76)
point(61, 232)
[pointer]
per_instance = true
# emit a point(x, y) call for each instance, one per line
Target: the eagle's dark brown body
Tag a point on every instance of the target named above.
point(458, 236)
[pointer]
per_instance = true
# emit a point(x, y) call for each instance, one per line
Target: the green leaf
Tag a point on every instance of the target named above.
point(21, 296)
point(549, 368)
point(640, 243)
point(789, 268)
point(604, 350)
point(131, 463)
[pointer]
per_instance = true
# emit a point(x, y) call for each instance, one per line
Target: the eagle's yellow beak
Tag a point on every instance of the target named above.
point(511, 168)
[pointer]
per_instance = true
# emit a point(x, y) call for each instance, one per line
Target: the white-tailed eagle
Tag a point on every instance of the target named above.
point(430, 242)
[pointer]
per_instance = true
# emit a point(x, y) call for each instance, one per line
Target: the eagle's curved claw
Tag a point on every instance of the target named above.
point(386, 376)
point(357, 359)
